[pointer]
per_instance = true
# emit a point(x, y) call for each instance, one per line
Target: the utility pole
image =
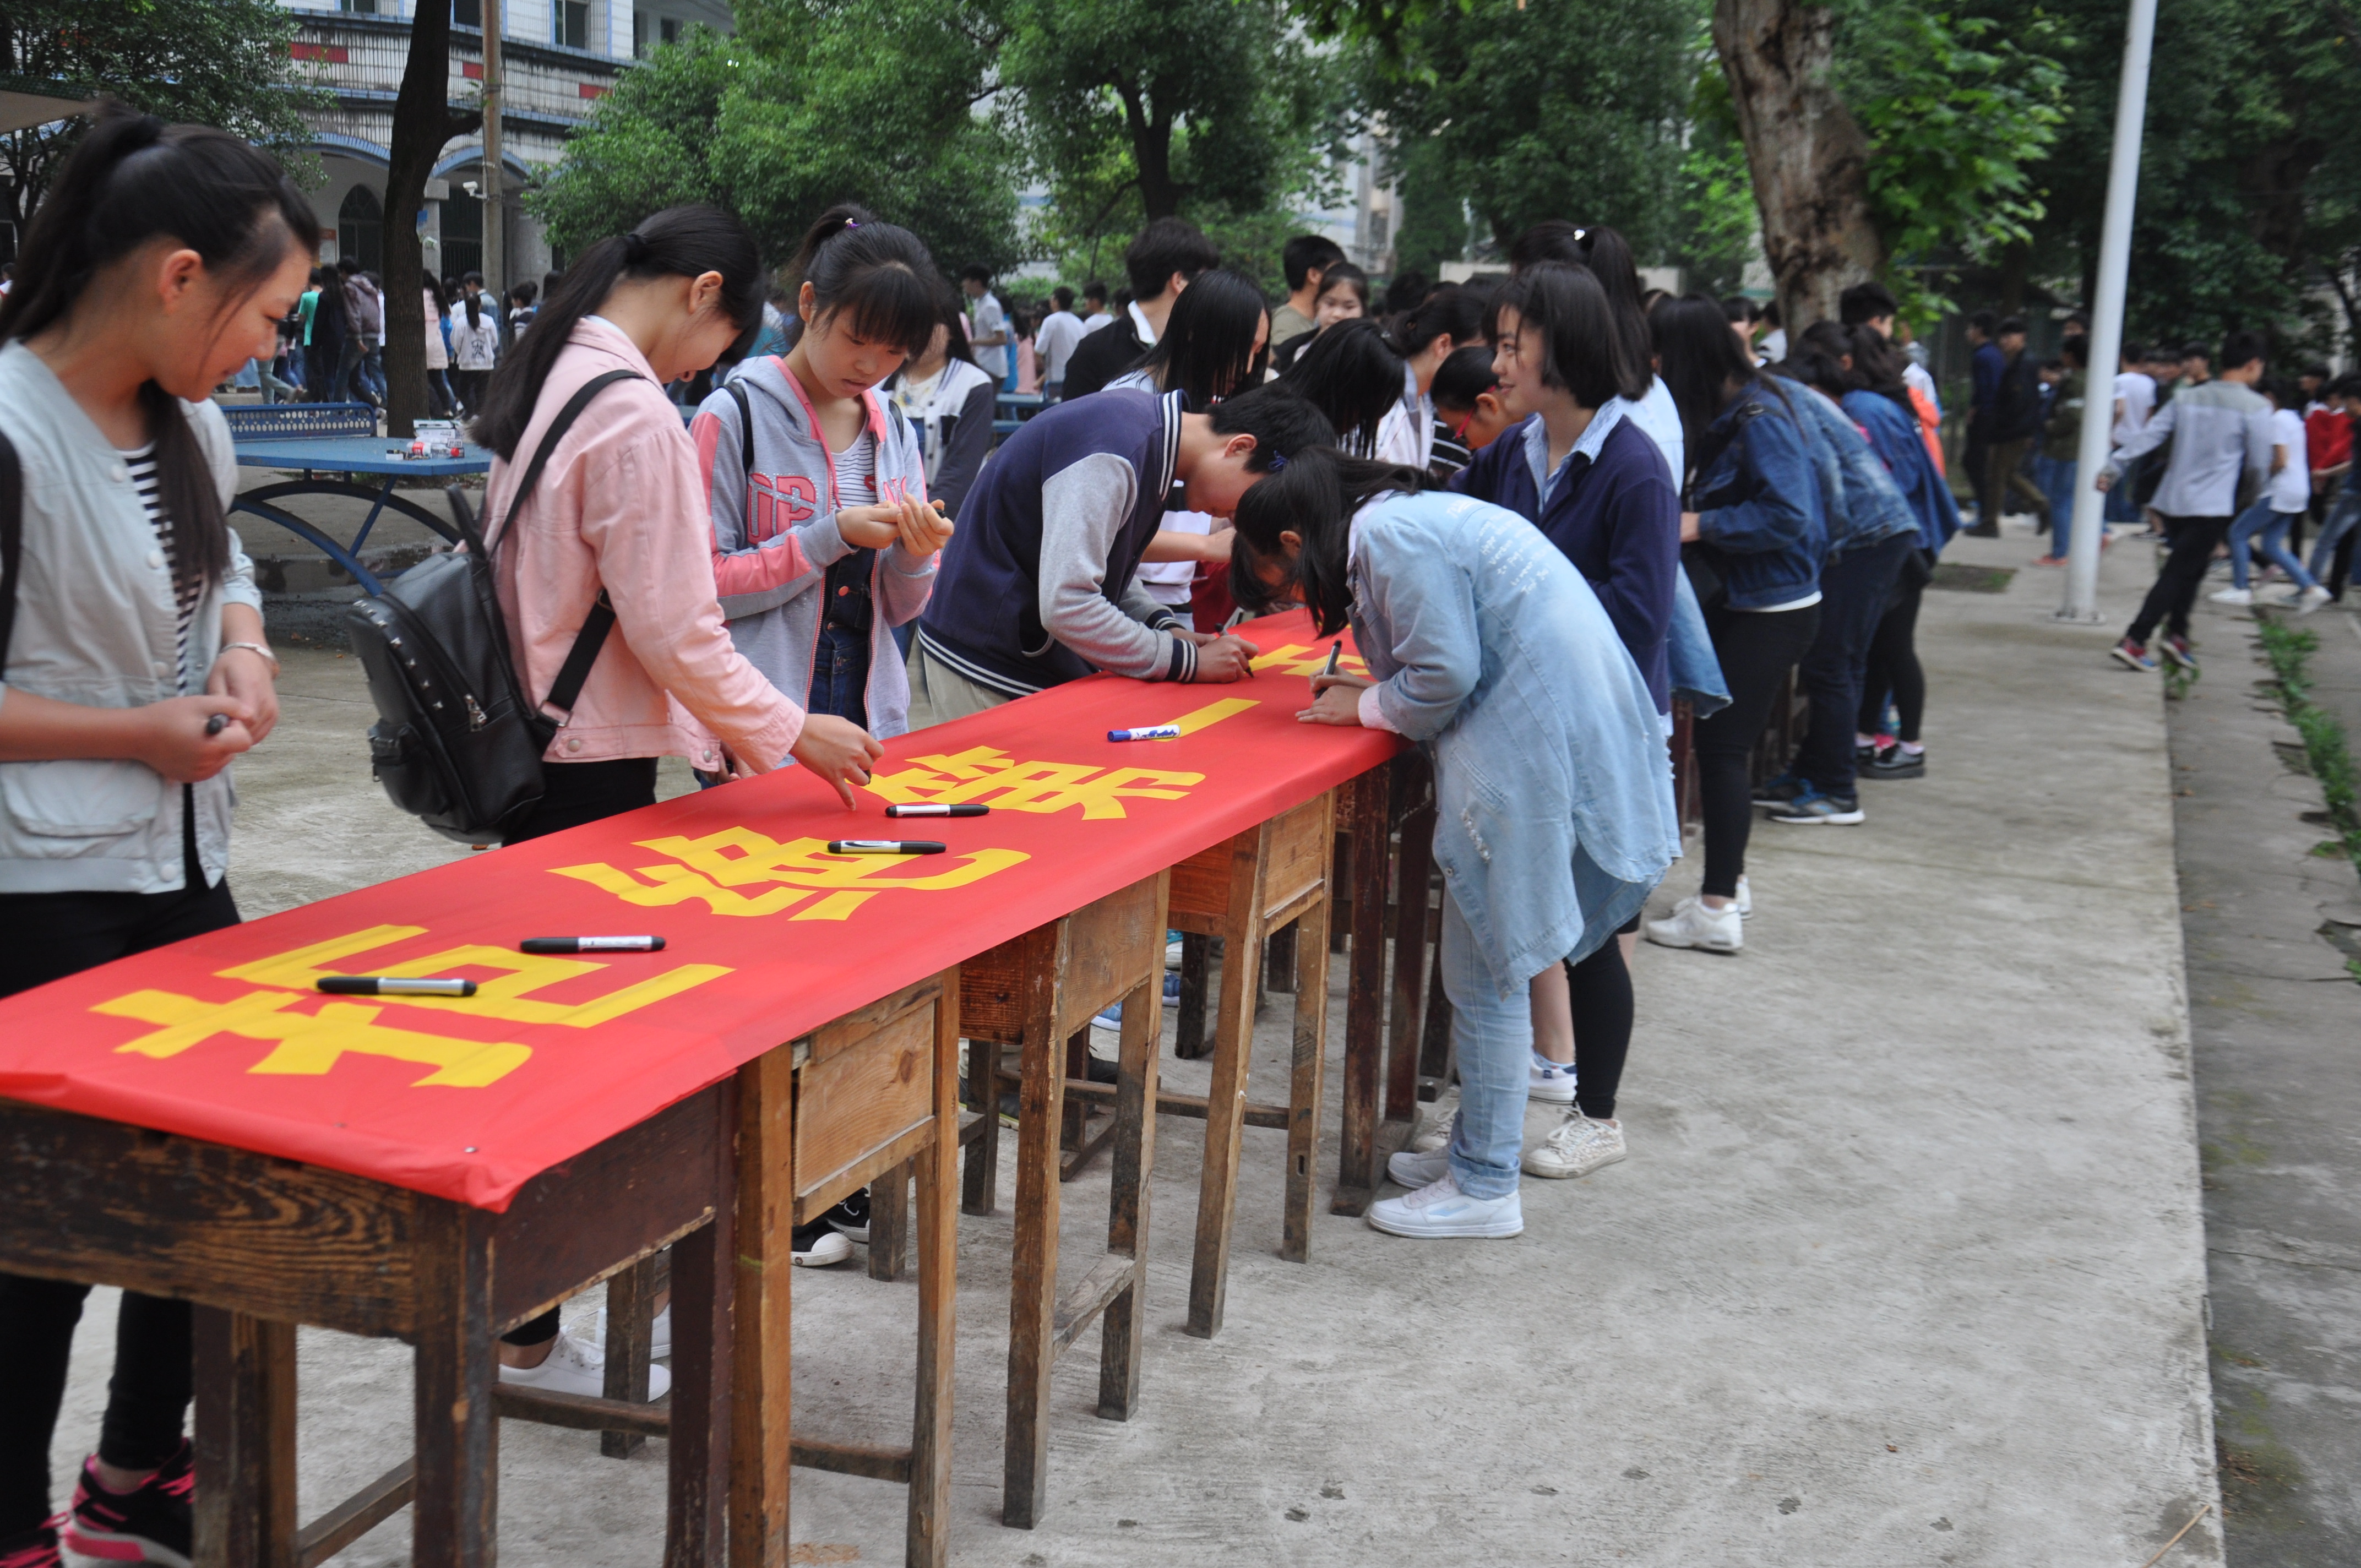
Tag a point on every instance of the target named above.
point(496, 250)
point(2107, 318)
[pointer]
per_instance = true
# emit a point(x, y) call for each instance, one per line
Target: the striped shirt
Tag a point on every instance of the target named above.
point(185, 592)
point(847, 584)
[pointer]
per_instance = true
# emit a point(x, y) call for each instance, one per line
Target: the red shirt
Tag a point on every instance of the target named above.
point(2327, 438)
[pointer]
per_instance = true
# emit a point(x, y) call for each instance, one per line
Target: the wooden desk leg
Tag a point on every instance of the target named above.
point(1033, 1271)
point(631, 1323)
point(1308, 1066)
point(1225, 1100)
point(928, 1543)
point(889, 1214)
point(245, 1442)
point(980, 1180)
point(697, 1473)
point(455, 1516)
point(1407, 1017)
point(1189, 1019)
point(1278, 967)
point(761, 1432)
point(1123, 1332)
point(1364, 999)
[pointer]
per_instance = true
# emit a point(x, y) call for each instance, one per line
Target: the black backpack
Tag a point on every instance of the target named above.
point(458, 744)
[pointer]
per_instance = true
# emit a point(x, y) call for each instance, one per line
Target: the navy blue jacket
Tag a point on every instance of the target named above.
point(1616, 517)
point(1759, 502)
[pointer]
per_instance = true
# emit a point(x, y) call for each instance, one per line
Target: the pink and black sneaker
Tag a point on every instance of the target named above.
point(150, 1524)
point(36, 1547)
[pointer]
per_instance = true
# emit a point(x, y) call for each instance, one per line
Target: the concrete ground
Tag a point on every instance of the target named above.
point(1906, 1265)
point(2276, 1017)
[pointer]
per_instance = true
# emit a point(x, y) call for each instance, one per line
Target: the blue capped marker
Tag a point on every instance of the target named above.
point(1150, 733)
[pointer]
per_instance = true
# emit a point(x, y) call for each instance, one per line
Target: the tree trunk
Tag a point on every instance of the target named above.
point(1808, 157)
point(422, 121)
point(2015, 275)
point(1151, 154)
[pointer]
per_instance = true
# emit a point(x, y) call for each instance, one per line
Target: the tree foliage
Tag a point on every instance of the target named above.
point(212, 62)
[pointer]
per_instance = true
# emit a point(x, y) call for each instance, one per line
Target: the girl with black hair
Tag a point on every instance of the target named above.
point(1555, 815)
point(1343, 297)
point(1607, 257)
point(1754, 532)
point(135, 669)
point(824, 543)
point(1425, 336)
point(1214, 344)
point(440, 400)
point(946, 395)
point(1351, 374)
point(474, 342)
point(1468, 413)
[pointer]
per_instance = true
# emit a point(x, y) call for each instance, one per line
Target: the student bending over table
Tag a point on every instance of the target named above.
point(1554, 815)
point(622, 510)
point(1037, 588)
point(162, 262)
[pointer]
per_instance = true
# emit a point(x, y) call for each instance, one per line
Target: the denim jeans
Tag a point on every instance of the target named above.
point(373, 372)
point(1854, 588)
point(2343, 513)
point(2056, 477)
point(841, 675)
point(1493, 1037)
point(2266, 531)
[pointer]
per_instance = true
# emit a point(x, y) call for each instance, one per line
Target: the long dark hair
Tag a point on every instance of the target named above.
point(1607, 256)
point(679, 242)
point(1352, 374)
point(1698, 356)
point(953, 316)
point(881, 275)
point(132, 179)
point(1451, 310)
point(1315, 495)
point(1584, 349)
point(1208, 347)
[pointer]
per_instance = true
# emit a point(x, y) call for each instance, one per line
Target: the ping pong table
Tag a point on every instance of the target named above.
point(338, 439)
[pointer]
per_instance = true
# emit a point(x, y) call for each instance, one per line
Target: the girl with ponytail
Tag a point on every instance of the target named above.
point(133, 668)
point(1554, 815)
point(823, 542)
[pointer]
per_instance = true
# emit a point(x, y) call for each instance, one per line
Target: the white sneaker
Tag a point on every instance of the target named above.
point(828, 1246)
point(1435, 1123)
point(2312, 598)
point(1692, 925)
point(1744, 901)
point(661, 1341)
point(1172, 953)
point(1577, 1147)
point(1550, 1080)
point(2232, 596)
point(1440, 1209)
point(575, 1366)
point(1416, 1170)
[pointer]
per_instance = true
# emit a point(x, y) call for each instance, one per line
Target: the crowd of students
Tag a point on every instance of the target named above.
point(1551, 508)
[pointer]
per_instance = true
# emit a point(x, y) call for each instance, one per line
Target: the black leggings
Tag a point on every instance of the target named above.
point(1600, 988)
point(1893, 668)
point(2195, 540)
point(574, 794)
point(1757, 647)
point(46, 937)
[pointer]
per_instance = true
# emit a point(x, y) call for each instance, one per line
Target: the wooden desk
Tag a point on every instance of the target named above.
point(261, 1244)
point(1392, 829)
point(1038, 995)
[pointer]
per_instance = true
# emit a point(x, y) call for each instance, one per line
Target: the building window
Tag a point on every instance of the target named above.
point(357, 8)
point(360, 229)
point(463, 232)
point(467, 12)
point(573, 20)
point(670, 28)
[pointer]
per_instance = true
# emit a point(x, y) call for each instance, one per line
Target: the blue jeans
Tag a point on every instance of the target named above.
point(373, 372)
point(2056, 477)
point(2343, 513)
point(2267, 531)
point(841, 675)
point(1493, 1037)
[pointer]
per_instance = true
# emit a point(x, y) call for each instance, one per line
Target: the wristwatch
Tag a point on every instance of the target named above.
point(269, 657)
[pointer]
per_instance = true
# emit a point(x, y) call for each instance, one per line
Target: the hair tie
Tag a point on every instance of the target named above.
point(1278, 461)
point(852, 223)
point(635, 248)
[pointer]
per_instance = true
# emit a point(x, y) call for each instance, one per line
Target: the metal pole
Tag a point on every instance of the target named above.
point(496, 250)
point(2107, 318)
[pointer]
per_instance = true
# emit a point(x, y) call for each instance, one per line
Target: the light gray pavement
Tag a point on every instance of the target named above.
point(1905, 1266)
point(2276, 1020)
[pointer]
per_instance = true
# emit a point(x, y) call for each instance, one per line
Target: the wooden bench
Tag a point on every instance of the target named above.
point(260, 1245)
point(1038, 994)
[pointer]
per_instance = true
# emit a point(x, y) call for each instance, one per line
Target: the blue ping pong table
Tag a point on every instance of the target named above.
point(341, 439)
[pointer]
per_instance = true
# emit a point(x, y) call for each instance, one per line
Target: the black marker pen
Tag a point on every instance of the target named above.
point(884, 847)
point(591, 945)
point(961, 810)
point(391, 985)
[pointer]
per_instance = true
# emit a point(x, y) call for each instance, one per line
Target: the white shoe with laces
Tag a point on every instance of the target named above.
point(661, 1346)
point(1416, 1170)
point(1440, 1209)
point(1577, 1147)
point(1744, 901)
point(1550, 1081)
point(2310, 599)
point(1435, 1123)
point(575, 1366)
point(1692, 925)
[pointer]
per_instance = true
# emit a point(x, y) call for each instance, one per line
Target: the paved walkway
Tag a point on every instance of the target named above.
point(1906, 1267)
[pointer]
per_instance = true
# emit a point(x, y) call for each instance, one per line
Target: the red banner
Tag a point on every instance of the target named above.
point(767, 936)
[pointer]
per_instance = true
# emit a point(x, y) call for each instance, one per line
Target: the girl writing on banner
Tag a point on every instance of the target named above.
point(133, 670)
point(824, 542)
point(1555, 815)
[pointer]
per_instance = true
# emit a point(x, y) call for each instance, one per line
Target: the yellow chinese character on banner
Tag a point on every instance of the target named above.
point(710, 869)
point(1295, 659)
point(309, 1044)
point(989, 775)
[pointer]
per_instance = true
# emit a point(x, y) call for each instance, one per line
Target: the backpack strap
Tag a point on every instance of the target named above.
point(745, 426)
point(12, 540)
point(567, 688)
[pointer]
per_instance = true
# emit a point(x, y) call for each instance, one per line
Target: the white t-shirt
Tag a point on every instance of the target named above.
point(988, 320)
point(2291, 488)
point(2136, 390)
point(1774, 345)
point(1167, 582)
point(1092, 324)
point(1054, 343)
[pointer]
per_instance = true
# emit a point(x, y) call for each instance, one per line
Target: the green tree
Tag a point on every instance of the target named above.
point(212, 62)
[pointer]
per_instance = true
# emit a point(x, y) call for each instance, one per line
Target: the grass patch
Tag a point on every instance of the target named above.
point(1961, 578)
point(2326, 755)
